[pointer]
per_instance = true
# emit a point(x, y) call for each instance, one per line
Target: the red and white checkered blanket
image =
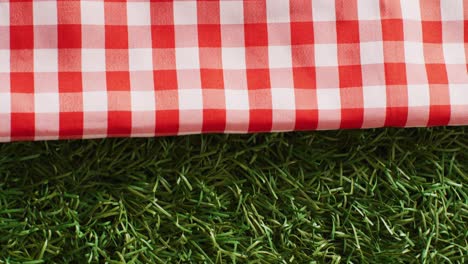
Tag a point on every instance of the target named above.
point(102, 68)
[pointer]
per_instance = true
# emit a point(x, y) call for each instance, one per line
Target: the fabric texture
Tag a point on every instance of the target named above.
point(94, 68)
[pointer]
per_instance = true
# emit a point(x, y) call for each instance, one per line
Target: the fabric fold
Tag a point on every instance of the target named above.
point(92, 69)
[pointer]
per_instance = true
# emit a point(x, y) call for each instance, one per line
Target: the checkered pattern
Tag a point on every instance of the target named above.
point(102, 68)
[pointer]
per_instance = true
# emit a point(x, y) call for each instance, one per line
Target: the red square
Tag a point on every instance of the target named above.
point(214, 120)
point(209, 35)
point(21, 37)
point(261, 120)
point(22, 82)
point(439, 115)
point(352, 118)
point(258, 79)
point(165, 80)
point(163, 36)
point(306, 120)
point(436, 74)
point(212, 78)
point(302, 33)
point(347, 31)
point(256, 35)
point(116, 37)
point(350, 76)
point(432, 31)
point(396, 116)
point(465, 25)
point(22, 126)
point(119, 123)
point(392, 29)
point(69, 36)
point(395, 74)
point(118, 81)
point(304, 78)
point(167, 122)
point(70, 82)
point(71, 124)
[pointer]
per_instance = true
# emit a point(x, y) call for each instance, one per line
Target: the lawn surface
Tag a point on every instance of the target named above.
point(375, 196)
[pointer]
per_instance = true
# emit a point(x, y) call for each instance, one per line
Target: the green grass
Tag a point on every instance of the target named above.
point(376, 196)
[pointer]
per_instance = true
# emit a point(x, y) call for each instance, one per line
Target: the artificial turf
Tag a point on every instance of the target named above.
point(373, 196)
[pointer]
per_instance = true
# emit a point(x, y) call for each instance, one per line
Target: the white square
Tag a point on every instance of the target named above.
point(418, 95)
point(190, 99)
point(138, 13)
point(453, 53)
point(328, 99)
point(368, 9)
point(458, 94)
point(4, 14)
point(280, 56)
point(95, 101)
point(410, 10)
point(140, 59)
point(5, 103)
point(414, 52)
point(372, 52)
point(187, 58)
point(375, 96)
point(4, 60)
point(143, 100)
point(233, 58)
point(231, 12)
point(93, 60)
point(236, 99)
point(92, 12)
point(46, 103)
point(451, 10)
point(45, 60)
point(185, 12)
point(326, 55)
point(277, 11)
point(45, 13)
point(283, 99)
point(324, 10)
